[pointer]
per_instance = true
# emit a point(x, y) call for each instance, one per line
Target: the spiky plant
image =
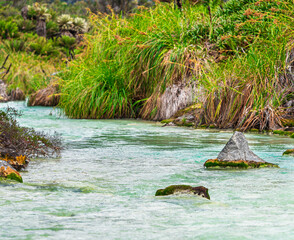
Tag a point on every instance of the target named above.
point(80, 25)
point(65, 22)
point(40, 13)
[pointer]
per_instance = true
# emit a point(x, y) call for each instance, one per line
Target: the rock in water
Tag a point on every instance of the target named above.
point(236, 154)
point(289, 152)
point(7, 171)
point(183, 189)
point(237, 149)
point(47, 97)
point(17, 95)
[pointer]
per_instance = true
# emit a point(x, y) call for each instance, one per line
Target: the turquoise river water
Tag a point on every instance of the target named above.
point(103, 185)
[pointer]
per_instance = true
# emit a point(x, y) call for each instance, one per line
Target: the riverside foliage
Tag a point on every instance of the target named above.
point(237, 53)
point(18, 141)
point(38, 45)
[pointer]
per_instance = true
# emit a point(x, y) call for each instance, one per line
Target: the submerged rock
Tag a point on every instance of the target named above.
point(236, 154)
point(289, 152)
point(47, 97)
point(183, 189)
point(8, 172)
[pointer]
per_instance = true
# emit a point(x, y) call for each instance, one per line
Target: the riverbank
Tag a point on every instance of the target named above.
point(236, 65)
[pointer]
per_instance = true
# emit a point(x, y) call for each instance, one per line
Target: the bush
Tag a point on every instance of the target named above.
point(8, 29)
point(26, 25)
point(44, 47)
point(52, 29)
point(15, 45)
point(25, 141)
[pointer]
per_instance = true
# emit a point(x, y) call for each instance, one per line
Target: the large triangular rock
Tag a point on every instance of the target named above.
point(236, 154)
point(237, 149)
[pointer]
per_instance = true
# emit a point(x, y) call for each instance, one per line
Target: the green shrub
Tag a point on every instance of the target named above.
point(29, 37)
point(52, 29)
point(26, 26)
point(67, 42)
point(44, 47)
point(8, 11)
point(15, 45)
point(8, 29)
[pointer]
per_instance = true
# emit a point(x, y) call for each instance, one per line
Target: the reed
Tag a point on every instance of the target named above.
point(237, 53)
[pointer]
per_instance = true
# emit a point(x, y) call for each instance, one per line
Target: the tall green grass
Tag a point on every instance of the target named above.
point(237, 55)
point(127, 59)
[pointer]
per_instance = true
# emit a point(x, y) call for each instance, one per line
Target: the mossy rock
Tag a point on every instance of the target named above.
point(237, 164)
point(183, 189)
point(284, 133)
point(289, 152)
point(15, 177)
point(8, 172)
point(166, 121)
point(187, 110)
point(253, 130)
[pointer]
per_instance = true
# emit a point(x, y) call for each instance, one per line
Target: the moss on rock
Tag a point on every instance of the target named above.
point(6, 171)
point(281, 132)
point(183, 189)
point(253, 130)
point(289, 152)
point(240, 164)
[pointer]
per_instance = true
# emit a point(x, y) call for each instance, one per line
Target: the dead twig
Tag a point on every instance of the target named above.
point(5, 68)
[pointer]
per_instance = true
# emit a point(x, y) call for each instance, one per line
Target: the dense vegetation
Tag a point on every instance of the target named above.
point(35, 58)
point(39, 40)
point(236, 52)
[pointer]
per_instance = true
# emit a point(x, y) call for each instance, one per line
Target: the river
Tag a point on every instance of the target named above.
point(103, 185)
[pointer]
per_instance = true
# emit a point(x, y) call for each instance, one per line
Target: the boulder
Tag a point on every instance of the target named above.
point(16, 95)
point(8, 172)
point(175, 97)
point(236, 154)
point(188, 117)
point(47, 97)
point(289, 152)
point(183, 189)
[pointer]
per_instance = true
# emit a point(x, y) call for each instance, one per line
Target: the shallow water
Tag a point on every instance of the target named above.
point(103, 186)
